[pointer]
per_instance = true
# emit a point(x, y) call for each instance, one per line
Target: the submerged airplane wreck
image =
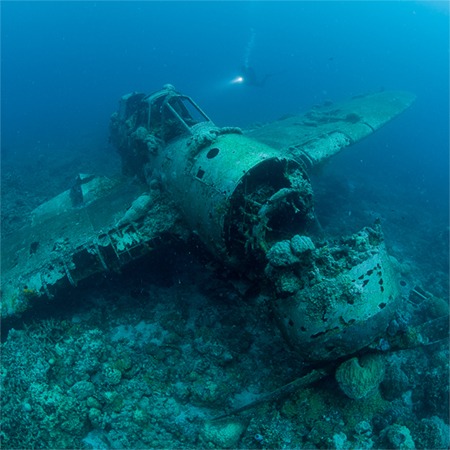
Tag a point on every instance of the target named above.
point(247, 197)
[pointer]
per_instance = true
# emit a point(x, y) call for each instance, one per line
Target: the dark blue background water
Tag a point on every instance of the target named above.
point(65, 65)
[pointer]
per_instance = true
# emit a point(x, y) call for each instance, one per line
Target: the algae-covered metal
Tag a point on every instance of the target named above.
point(325, 130)
point(237, 194)
point(333, 298)
point(247, 197)
point(66, 243)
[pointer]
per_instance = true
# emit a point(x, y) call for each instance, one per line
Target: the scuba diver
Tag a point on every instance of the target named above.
point(248, 76)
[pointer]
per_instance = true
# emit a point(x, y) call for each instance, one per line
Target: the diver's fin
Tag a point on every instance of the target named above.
point(323, 131)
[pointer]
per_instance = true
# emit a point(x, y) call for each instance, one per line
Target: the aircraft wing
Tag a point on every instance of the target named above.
point(324, 131)
point(65, 244)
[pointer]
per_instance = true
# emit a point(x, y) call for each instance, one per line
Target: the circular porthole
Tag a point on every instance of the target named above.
point(212, 153)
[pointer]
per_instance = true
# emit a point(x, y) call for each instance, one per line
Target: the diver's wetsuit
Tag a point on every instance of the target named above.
point(250, 78)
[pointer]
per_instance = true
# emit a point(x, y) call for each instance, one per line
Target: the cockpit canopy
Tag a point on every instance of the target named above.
point(165, 114)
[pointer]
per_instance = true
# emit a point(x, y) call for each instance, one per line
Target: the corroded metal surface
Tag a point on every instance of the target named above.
point(246, 196)
point(325, 130)
point(65, 244)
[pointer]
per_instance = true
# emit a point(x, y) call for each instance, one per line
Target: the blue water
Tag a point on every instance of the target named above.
point(64, 66)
